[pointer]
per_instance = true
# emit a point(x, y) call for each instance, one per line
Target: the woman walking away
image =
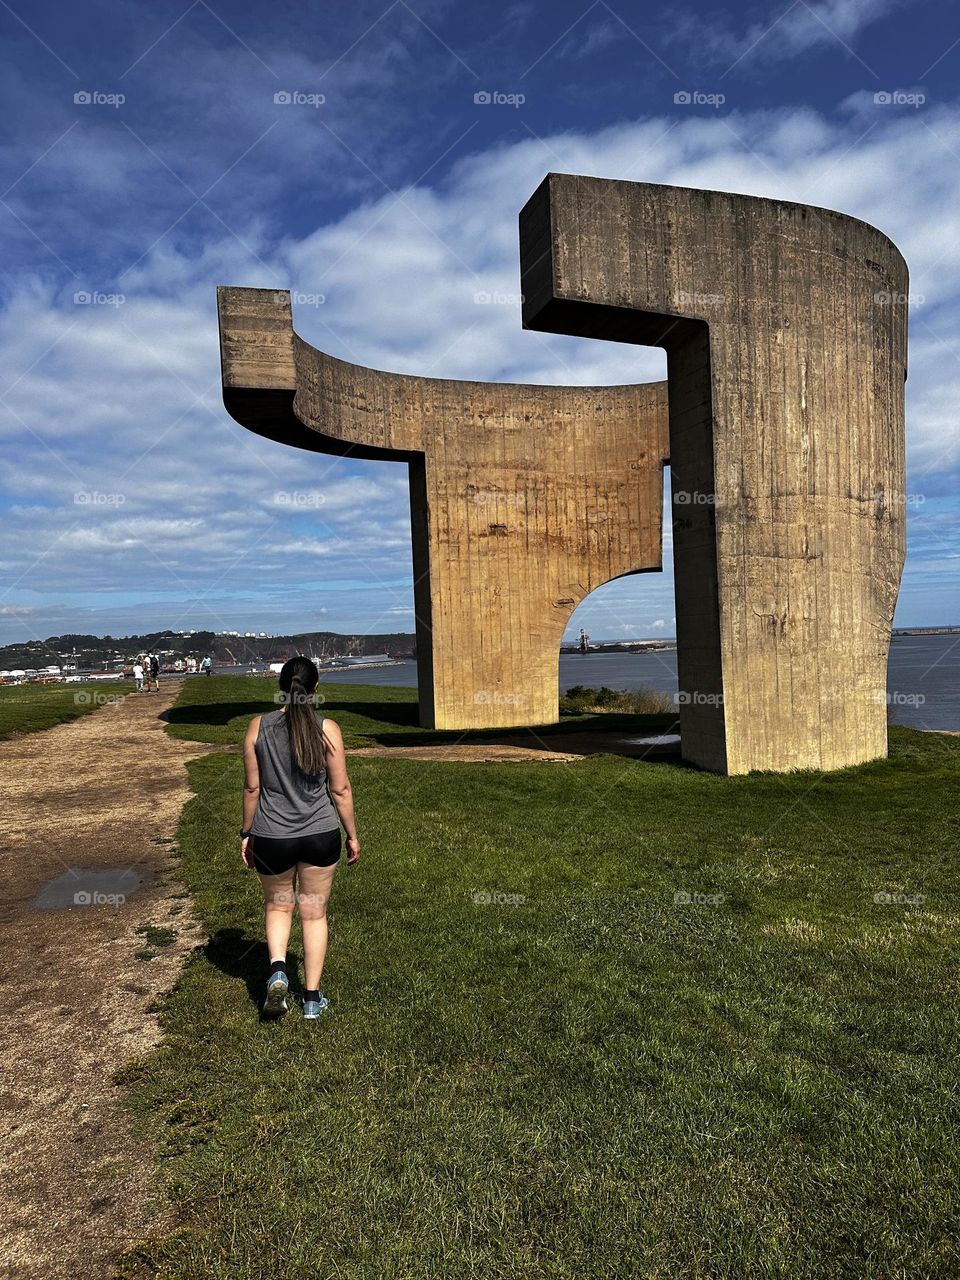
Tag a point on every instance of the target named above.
point(295, 795)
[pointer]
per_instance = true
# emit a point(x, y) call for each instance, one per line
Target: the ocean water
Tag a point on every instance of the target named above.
point(923, 677)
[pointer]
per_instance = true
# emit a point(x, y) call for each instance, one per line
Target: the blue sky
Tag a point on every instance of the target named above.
point(146, 159)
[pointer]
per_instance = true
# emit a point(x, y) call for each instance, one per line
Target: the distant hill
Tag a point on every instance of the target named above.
point(97, 652)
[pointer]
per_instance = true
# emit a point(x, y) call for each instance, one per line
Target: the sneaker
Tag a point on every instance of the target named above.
point(275, 1005)
point(314, 1008)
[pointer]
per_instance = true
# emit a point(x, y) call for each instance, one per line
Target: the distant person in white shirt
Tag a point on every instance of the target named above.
point(138, 675)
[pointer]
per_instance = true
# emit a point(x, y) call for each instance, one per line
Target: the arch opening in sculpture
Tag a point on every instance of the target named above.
point(623, 612)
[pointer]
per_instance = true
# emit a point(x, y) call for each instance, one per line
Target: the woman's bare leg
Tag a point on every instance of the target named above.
point(314, 885)
point(278, 900)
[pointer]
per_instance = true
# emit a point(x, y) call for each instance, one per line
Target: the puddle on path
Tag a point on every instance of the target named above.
point(91, 887)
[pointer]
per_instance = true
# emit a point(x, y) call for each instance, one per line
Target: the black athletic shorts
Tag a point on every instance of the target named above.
point(272, 857)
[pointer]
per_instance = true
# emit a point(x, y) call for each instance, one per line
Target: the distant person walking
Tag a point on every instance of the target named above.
point(138, 674)
point(296, 794)
point(206, 666)
point(155, 671)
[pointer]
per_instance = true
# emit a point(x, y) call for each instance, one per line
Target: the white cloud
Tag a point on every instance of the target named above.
point(786, 31)
point(125, 400)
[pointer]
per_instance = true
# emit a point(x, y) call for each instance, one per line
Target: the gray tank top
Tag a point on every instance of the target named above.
point(292, 803)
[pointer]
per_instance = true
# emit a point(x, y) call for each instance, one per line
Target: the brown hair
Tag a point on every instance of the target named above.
point(298, 679)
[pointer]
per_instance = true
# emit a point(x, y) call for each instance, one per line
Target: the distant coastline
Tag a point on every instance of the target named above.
point(926, 631)
point(180, 650)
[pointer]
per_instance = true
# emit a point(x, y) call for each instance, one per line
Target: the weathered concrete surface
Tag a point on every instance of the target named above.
point(523, 498)
point(785, 328)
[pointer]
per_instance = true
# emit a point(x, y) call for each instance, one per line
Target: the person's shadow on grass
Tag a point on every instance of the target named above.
point(238, 956)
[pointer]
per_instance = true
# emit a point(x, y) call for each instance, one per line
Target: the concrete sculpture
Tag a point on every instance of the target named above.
point(785, 333)
point(523, 499)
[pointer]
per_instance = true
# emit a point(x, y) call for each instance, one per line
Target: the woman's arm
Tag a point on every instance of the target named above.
point(251, 785)
point(339, 783)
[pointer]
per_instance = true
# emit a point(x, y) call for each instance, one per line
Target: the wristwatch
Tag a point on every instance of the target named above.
point(244, 834)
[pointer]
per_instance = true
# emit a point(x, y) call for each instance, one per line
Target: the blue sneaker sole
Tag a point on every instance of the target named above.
point(275, 1004)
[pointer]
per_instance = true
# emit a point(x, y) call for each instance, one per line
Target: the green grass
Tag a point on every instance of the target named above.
point(25, 708)
point(579, 699)
point(157, 935)
point(539, 1062)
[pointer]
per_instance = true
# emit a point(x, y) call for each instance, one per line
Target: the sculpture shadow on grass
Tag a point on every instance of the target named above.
point(399, 713)
point(654, 740)
point(221, 713)
point(215, 713)
point(610, 724)
point(395, 724)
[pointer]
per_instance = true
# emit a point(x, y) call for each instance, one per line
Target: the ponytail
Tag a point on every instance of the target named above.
point(298, 680)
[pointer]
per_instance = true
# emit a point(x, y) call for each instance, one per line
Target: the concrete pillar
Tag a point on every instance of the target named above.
point(785, 328)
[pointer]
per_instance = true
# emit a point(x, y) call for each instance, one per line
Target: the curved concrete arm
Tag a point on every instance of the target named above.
point(523, 498)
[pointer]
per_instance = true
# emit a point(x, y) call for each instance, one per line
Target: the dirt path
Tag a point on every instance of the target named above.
point(103, 792)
